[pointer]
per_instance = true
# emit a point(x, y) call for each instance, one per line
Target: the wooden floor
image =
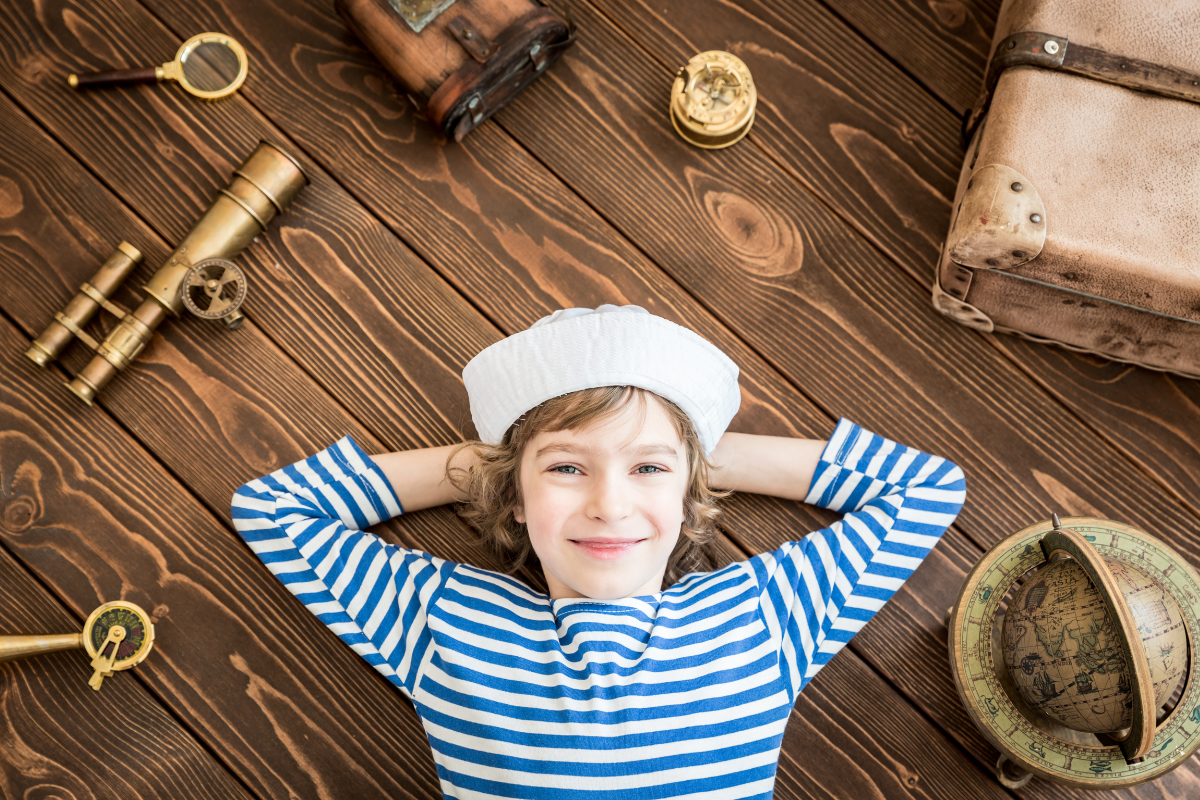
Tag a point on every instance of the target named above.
point(806, 252)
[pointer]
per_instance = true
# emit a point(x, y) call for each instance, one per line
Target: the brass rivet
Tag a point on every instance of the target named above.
point(474, 102)
point(1018, 253)
point(991, 262)
point(1051, 47)
point(1016, 187)
point(1035, 218)
point(468, 35)
point(1011, 45)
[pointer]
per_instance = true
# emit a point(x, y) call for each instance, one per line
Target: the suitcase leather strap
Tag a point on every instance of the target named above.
point(1045, 50)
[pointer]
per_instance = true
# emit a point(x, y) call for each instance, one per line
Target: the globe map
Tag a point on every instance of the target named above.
point(1063, 653)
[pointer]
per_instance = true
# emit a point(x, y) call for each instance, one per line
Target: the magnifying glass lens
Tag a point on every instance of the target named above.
point(210, 66)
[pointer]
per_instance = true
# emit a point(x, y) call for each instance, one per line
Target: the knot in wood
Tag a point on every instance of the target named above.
point(18, 514)
point(766, 244)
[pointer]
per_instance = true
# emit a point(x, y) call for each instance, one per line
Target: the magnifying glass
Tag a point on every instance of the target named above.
point(208, 65)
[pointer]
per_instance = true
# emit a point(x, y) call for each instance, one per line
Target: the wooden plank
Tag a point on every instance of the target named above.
point(1111, 400)
point(868, 140)
point(944, 44)
point(111, 522)
point(488, 217)
point(370, 190)
point(59, 737)
point(847, 739)
point(839, 320)
point(171, 334)
point(1151, 417)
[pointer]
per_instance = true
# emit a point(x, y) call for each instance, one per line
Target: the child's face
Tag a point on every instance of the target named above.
point(604, 504)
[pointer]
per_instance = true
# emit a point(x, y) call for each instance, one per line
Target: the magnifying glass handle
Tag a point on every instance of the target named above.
point(114, 77)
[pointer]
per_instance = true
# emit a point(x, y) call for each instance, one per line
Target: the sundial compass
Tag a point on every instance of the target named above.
point(713, 100)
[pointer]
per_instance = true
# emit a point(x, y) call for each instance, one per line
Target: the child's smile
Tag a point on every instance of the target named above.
point(604, 504)
point(606, 549)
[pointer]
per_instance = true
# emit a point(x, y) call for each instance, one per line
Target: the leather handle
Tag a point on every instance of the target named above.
point(1141, 733)
point(114, 77)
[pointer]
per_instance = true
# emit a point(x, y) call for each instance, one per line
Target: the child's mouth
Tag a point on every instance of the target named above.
point(607, 549)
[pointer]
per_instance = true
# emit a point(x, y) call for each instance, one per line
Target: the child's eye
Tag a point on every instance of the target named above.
point(643, 469)
point(562, 469)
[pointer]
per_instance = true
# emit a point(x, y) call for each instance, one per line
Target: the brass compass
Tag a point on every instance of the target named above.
point(215, 288)
point(713, 100)
point(117, 636)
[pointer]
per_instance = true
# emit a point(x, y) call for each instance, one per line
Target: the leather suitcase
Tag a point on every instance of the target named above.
point(460, 61)
point(1077, 215)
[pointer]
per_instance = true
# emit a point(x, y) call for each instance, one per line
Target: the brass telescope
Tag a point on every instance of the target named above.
point(198, 275)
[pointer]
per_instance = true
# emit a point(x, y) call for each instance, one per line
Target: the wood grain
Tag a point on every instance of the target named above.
point(106, 521)
point(944, 44)
point(58, 737)
point(839, 321)
point(161, 402)
point(486, 215)
point(514, 253)
point(834, 113)
point(1146, 416)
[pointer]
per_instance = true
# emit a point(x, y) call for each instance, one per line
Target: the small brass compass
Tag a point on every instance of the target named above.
point(713, 100)
point(117, 636)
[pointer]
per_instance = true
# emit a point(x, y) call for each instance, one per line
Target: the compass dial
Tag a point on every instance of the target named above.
point(139, 633)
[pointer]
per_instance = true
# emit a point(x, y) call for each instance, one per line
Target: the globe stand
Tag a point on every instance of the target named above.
point(1033, 744)
point(1004, 774)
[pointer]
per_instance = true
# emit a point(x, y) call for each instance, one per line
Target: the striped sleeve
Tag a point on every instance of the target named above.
point(820, 591)
point(305, 523)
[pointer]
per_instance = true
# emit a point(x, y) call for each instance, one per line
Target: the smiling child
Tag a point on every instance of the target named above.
point(603, 453)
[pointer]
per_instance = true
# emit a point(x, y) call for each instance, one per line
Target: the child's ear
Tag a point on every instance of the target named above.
point(519, 514)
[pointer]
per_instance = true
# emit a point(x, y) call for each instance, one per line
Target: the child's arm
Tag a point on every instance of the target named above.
point(778, 466)
point(304, 522)
point(818, 592)
point(420, 475)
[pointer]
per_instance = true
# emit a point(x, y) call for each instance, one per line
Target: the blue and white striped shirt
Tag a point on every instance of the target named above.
point(684, 693)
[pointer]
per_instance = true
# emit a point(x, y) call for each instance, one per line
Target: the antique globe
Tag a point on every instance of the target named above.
point(1062, 651)
point(1072, 647)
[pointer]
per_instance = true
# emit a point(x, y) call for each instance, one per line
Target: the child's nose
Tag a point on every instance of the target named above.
point(609, 500)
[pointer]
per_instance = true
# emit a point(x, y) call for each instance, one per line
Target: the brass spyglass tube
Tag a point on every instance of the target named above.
point(262, 187)
point(20, 646)
point(70, 322)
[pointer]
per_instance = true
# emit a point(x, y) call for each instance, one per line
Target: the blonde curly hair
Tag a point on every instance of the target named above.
point(493, 490)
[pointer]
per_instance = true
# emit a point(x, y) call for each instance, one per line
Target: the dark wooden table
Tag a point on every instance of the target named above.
point(806, 252)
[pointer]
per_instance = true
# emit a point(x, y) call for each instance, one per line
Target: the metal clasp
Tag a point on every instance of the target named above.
point(478, 46)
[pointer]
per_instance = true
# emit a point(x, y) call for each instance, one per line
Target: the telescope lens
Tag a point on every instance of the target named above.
point(210, 66)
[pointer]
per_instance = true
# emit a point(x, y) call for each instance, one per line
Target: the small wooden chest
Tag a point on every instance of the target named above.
point(460, 60)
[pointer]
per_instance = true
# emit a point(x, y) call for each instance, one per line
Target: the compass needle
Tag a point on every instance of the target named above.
point(103, 664)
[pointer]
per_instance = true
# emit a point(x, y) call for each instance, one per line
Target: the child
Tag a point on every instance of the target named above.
point(598, 429)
